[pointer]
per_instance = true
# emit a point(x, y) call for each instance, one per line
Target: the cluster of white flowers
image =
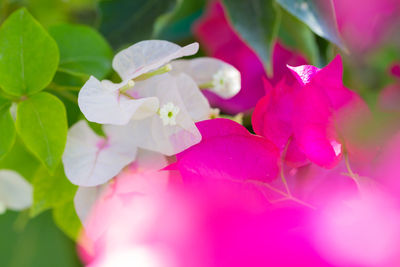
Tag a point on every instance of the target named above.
point(153, 109)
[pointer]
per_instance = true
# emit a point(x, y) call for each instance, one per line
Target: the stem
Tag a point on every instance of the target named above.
point(150, 74)
point(352, 175)
point(68, 95)
point(126, 94)
point(59, 88)
point(206, 85)
point(274, 189)
point(283, 155)
point(21, 221)
point(286, 195)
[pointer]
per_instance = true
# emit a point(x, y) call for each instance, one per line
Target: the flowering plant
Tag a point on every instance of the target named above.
point(266, 133)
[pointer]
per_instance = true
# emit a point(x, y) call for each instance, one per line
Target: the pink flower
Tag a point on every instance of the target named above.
point(228, 151)
point(220, 41)
point(313, 114)
point(272, 118)
point(221, 226)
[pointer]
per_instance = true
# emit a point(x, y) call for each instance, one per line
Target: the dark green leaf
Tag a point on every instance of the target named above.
point(318, 15)
point(67, 220)
point(126, 21)
point(177, 25)
point(257, 22)
point(7, 128)
point(51, 190)
point(39, 244)
point(28, 55)
point(82, 50)
point(42, 125)
point(298, 37)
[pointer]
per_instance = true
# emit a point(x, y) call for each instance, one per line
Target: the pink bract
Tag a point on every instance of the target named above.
point(220, 40)
point(228, 151)
point(311, 114)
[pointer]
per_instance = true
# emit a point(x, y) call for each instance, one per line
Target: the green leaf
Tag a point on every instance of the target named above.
point(28, 55)
point(82, 50)
point(318, 15)
point(257, 22)
point(298, 37)
point(40, 243)
point(67, 220)
point(51, 190)
point(7, 132)
point(177, 25)
point(126, 21)
point(20, 160)
point(42, 125)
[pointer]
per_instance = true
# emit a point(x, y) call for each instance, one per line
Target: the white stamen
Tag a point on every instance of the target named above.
point(168, 113)
point(226, 81)
point(214, 113)
point(131, 83)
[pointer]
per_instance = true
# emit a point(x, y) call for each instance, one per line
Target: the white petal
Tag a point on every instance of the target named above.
point(101, 102)
point(15, 191)
point(88, 163)
point(85, 198)
point(148, 160)
point(202, 71)
point(150, 133)
point(144, 175)
point(149, 55)
point(195, 102)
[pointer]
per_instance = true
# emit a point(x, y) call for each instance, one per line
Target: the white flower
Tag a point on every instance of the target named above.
point(91, 160)
point(15, 191)
point(168, 113)
point(195, 102)
point(104, 103)
point(152, 133)
point(108, 103)
point(210, 73)
point(145, 56)
point(226, 82)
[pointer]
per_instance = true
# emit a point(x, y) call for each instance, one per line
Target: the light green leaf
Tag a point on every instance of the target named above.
point(257, 22)
point(67, 220)
point(7, 128)
point(20, 160)
point(51, 190)
point(42, 125)
point(28, 55)
point(318, 15)
point(82, 50)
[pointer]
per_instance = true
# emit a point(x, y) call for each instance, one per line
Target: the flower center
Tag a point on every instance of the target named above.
point(168, 113)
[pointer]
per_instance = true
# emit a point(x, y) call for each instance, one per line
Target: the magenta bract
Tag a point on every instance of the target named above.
point(308, 116)
point(228, 151)
point(220, 41)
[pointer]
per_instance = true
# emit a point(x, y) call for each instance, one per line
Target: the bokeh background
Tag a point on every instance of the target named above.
point(369, 29)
